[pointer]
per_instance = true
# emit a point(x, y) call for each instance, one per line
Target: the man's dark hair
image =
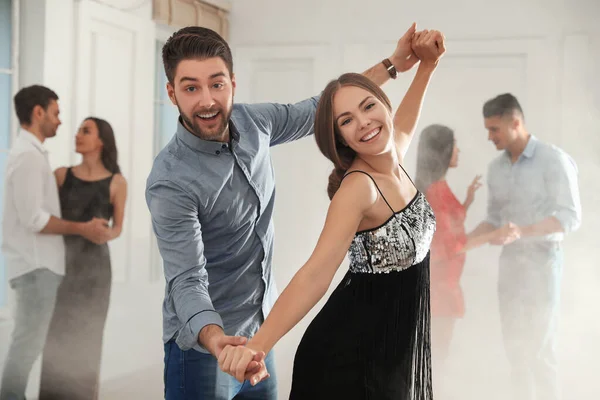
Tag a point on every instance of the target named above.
point(29, 97)
point(502, 105)
point(194, 42)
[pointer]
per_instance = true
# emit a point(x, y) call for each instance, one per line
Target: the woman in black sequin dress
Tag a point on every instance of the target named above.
point(371, 339)
point(93, 189)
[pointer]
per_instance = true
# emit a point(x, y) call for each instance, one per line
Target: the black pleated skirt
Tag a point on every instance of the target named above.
point(371, 340)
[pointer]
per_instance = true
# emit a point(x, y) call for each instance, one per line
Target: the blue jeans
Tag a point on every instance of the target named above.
point(191, 375)
point(529, 296)
point(35, 295)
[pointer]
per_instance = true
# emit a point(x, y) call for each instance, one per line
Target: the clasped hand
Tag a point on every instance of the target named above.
point(414, 46)
point(244, 363)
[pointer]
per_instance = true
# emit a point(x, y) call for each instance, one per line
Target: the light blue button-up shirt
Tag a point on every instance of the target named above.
point(542, 183)
point(212, 206)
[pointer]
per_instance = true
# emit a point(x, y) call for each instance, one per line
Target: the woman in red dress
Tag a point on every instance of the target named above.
point(437, 152)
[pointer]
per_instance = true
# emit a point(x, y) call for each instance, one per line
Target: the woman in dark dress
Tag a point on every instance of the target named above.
point(93, 189)
point(371, 339)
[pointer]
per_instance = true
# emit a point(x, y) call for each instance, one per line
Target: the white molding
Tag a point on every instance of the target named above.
point(576, 95)
point(124, 5)
point(323, 57)
point(136, 128)
point(16, 7)
point(5, 310)
point(163, 32)
point(538, 54)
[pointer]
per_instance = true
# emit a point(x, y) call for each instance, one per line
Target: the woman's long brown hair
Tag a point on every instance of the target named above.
point(109, 150)
point(327, 132)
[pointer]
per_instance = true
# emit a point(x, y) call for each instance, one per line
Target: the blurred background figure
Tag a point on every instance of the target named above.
point(34, 252)
point(532, 186)
point(103, 57)
point(31, 227)
point(93, 189)
point(437, 152)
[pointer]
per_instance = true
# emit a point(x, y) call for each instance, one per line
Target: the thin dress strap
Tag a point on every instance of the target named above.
point(409, 178)
point(379, 190)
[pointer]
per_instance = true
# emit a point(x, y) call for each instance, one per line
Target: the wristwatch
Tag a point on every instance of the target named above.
point(390, 68)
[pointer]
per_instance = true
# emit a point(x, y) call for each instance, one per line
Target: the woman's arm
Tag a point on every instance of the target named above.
point(450, 238)
point(454, 243)
point(118, 196)
point(429, 48)
point(473, 187)
point(60, 174)
point(479, 240)
point(403, 59)
point(355, 197)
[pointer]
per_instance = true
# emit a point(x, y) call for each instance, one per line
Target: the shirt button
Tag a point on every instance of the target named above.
point(217, 152)
point(224, 146)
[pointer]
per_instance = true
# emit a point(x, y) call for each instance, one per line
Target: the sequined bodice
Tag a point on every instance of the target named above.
point(398, 244)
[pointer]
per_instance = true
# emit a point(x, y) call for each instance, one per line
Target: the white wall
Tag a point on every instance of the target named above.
point(46, 35)
point(114, 80)
point(544, 52)
point(99, 60)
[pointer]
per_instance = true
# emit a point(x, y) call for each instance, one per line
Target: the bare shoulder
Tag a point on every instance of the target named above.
point(118, 186)
point(60, 171)
point(358, 190)
point(60, 174)
point(119, 181)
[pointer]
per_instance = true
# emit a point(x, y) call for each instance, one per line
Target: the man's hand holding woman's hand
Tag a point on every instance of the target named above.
point(244, 363)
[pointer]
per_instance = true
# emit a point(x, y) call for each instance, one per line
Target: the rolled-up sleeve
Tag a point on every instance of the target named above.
point(563, 191)
point(288, 122)
point(179, 235)
point(27, 179)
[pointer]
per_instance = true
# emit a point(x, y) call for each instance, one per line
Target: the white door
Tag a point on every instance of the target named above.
point(288, 74)
point(115, 81)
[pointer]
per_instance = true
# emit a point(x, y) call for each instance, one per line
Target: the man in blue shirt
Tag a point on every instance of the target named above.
point(211, 194)
point(534, 195)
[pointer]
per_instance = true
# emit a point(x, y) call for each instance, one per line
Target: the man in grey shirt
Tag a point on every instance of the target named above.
point(211, 193)
point(533, 193)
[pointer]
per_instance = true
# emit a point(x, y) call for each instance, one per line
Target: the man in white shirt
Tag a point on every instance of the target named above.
point(32, 243)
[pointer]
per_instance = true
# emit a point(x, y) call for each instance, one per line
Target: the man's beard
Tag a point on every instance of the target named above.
point(48, 129)
point(216, 134)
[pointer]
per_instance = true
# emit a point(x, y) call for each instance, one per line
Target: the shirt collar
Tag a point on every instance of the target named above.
point(529, 149)
point(206, 146)
point(33, 140)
